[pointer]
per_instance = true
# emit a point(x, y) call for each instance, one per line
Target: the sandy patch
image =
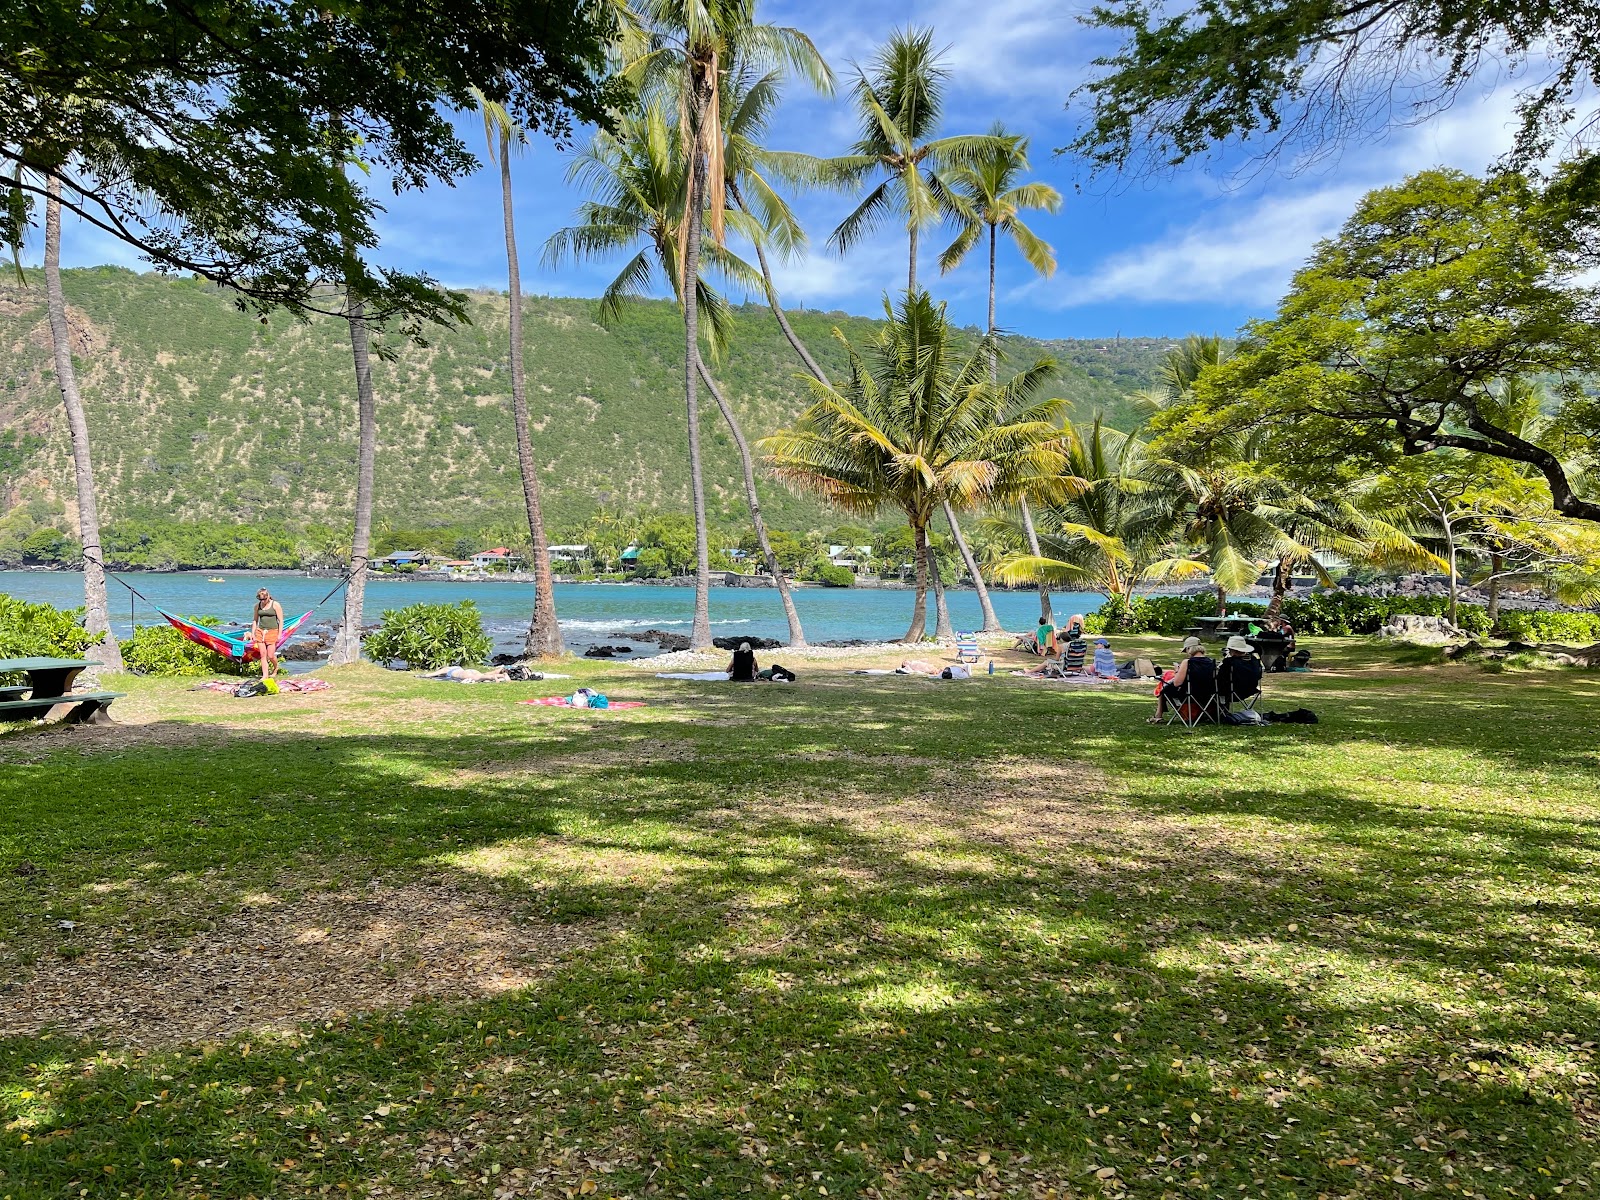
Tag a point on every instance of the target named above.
point(276, 963)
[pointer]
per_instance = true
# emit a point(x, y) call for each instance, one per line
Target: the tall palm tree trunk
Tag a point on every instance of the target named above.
point(911, 275)
point(1282, 578)
point(991, 621)
point(797, 635)
point(942, 629)
point(994, 377)
point(700, 630)
point(919, 606)
point(1033, 549)
point(772, 297)
point(97, 615)
point(347, 644)
point(544, 634)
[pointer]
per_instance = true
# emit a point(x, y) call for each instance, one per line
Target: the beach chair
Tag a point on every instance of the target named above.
point(1073, 656)
point(967, 649)
point(1239, 684)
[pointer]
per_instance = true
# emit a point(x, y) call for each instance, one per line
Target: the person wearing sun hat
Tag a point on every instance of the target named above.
point(1196, 676)
point(1105, 663)
point(1239, 673)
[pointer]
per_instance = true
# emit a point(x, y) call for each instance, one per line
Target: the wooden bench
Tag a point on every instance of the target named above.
point(88, 708)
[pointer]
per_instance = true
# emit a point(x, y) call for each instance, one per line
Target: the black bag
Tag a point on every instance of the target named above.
point(1295, 716)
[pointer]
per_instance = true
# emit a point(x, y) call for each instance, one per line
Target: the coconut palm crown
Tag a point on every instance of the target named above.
point(918, 422)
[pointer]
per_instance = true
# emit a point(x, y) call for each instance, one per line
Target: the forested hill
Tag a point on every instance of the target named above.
point(200, 412)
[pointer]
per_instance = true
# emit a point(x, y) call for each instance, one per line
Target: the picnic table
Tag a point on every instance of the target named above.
point(49, 684)
point(1220, 629)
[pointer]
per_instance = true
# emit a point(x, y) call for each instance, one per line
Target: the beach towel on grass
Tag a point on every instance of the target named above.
point(231, 687)
point(702, 676)
point(563, 702)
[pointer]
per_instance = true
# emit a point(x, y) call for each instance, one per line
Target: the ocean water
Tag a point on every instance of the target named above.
point(591, 613)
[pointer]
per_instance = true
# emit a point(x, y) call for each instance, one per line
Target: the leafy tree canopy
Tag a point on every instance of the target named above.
point(1307, 74)
point(1403, 334)
point(212, 137)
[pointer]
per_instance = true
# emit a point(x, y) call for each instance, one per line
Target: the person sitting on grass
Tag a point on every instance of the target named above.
point(1239, 673)
point(1105, 662)
point(743, 667)
point(1195, 679)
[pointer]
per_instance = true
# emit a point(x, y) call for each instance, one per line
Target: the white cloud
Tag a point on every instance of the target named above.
point(1248, 241)
point(1243, 259)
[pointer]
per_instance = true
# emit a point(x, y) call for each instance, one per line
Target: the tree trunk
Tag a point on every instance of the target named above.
point(700, 631)
point(347, 645)
point(1450, 542)
point(797, 635)
point(1222, 600)
point(544, 633)
point(994, 366)
point(772, 298)
point(942, 629)
point(919, 606)
point(911, 277)
point(97, 616)
point(1282, 577)
point(991, 622)
point(1496, 564)
point(1033, 549)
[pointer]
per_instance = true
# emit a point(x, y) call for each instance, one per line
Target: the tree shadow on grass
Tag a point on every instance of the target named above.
point(819, 935)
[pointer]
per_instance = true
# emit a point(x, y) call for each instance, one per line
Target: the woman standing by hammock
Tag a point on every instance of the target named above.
point(266, 623)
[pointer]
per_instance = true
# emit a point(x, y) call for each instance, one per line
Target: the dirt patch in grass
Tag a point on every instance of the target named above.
point(278, 962)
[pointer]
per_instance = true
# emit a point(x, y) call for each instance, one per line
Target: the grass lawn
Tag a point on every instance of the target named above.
point(856, 936)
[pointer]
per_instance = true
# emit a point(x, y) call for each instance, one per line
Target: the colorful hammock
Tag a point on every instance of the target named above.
point(229, 645)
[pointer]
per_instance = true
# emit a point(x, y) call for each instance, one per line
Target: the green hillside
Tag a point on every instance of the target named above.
point(200, 413)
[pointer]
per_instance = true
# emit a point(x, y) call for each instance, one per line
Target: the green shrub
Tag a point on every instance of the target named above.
point(41, 630)
point(1572, 629)
point(832, 576)
point(162, 650)
point(429, 636)
point(1321, 614)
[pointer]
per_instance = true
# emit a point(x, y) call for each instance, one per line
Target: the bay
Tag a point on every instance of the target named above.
point(591, 613)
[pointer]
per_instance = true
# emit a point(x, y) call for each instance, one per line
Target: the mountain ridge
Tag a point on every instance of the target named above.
point(199, 412)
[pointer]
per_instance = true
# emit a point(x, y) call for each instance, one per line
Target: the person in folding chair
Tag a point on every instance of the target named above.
point(1190, 695)
point(1239, 676)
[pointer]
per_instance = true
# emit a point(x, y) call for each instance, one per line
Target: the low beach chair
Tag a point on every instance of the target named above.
point(967, 649)
point(1074, 655)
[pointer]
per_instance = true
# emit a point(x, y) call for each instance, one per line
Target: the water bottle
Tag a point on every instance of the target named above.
point(991, 666)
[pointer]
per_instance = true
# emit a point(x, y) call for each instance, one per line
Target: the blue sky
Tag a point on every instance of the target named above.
point(1202, 250)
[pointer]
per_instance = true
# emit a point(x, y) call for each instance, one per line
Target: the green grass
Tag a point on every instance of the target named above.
point(881, 937)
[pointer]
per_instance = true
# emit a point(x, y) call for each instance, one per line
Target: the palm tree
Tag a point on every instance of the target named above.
point(544, 632)
point(684, 48)
point(901, 103)
point(97, 615)
point(988, 195)
point(1235, 513)
point(915, 424)
point(636, 175)
point(1095, 527)
point(747, 164)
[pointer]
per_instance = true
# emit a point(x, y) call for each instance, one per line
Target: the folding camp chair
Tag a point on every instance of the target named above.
point(967, 649)
point(1192, 710)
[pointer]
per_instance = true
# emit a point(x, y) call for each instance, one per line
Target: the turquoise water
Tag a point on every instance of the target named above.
point(591, 613)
